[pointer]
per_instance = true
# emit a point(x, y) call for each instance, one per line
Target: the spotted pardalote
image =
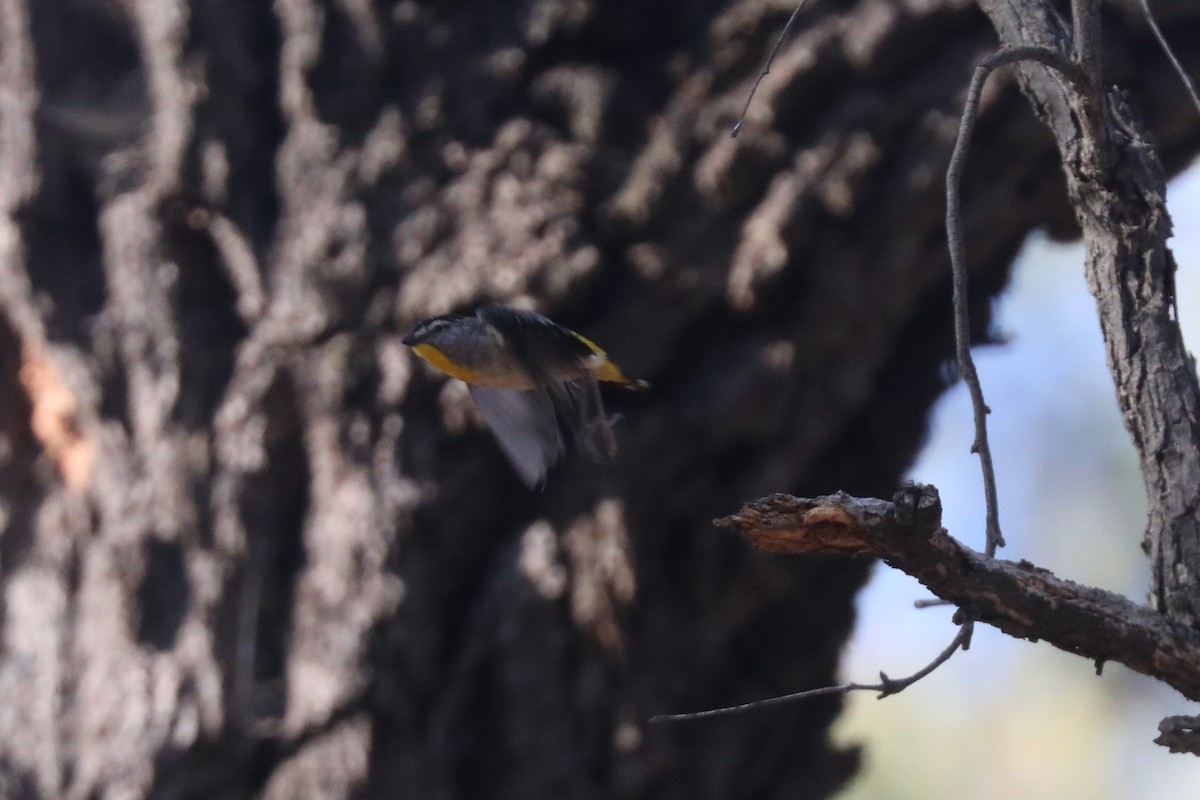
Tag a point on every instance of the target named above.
point(535, 382)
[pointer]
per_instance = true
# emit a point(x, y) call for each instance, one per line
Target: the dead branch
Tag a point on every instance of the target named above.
point(1186, 79)
point(1117, 187)
point(886, 686)
point(962, 335)
point(766, 69)
point(958, 261)
point(1018, 598)
point(1180, 734)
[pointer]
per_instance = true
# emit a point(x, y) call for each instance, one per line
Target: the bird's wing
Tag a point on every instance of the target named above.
point(550, 352)
point(525, 425)
point(580, 410)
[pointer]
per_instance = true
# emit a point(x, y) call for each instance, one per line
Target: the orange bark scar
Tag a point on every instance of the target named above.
point(52, 419)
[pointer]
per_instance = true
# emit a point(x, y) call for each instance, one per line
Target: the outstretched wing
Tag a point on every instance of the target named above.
point(526, 427)
point(581, 414)
point(568, 405)
point(547, 350)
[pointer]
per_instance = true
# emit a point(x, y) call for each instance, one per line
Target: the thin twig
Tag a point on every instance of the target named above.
point(962, 639)
point(1162, 42)
point(962, 321)
point(932, 602)
point(958, 260)
point(916, 508)
point(886, 686)
point(737, 126)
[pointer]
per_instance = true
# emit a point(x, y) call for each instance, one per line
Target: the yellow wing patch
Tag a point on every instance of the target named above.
point(607, 370)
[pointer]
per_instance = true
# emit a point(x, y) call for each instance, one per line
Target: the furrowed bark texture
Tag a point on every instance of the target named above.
point(248, 548)
point(1117, 186)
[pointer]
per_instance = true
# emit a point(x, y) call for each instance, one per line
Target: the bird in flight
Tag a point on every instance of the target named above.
point(536, 383)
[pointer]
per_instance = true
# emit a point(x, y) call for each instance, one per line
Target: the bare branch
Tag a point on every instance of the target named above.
point(1180, 734)
point(737, 126)
point(1162, 42)
point(1018, 598)
point(916, 512)
point(994, 539)
point(886, 686)
point(1117, 186)
point(958, 260)
point(756, 705)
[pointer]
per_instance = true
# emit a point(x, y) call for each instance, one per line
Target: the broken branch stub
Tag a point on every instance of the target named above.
point(1018, 598)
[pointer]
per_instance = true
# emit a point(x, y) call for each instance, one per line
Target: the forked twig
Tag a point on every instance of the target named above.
point(836, 524)
point(962, 639)
point(886, 686)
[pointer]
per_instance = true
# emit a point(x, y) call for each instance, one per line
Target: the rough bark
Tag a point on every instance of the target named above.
point(248, 547)
point(1017, 597)
point(1117, 187)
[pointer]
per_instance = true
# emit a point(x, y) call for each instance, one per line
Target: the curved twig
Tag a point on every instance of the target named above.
point(958, 261)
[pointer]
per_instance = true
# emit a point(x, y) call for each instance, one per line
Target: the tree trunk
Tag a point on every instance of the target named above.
point(249, 546)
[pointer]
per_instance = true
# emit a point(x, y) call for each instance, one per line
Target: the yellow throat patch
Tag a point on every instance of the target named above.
point(438, 359)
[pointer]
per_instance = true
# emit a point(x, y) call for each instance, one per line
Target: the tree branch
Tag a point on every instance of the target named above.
point(1188, 83)
point(1018, 598)
point(886, 686)
point(1118, 188)
point(1180, 734)
point(766, 69)
point(958, 261)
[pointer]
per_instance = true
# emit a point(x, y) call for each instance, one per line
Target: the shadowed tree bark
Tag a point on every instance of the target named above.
point(248, 546)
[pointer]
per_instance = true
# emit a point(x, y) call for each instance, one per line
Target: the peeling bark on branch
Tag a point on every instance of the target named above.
point(1180, 734)
point(1018, 598)
point(1117, 186)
